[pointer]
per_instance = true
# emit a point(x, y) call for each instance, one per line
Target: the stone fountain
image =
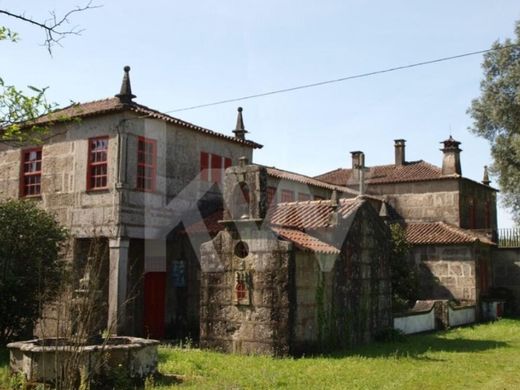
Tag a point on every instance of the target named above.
point(85, 352)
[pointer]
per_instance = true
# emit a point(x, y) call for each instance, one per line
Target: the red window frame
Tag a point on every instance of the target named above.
point(31, 172)
point(215, 164)
point(97, 169)
point(287, 196)
point(146, 164)
point(204, 166)
point(216, 168)
point(302, 197)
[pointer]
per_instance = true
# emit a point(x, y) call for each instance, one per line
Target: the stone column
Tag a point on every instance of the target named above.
point(117, 284)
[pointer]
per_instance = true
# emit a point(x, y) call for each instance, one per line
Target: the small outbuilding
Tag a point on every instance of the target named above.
point(295, 277)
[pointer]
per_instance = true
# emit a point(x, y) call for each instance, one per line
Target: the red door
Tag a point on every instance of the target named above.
point(154, 300)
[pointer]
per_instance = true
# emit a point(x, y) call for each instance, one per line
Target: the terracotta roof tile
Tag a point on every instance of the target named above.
point(291, 176)
point(423, 233)
point(101, 107)
point(312, 214)
point(411, 171)
point(305, 241)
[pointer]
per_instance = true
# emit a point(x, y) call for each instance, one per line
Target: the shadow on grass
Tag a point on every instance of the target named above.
point(417, 347)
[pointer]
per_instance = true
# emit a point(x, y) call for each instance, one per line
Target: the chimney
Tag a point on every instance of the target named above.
point(451, 158)
point(356, 157)
point(399, 145)
point(125, 94)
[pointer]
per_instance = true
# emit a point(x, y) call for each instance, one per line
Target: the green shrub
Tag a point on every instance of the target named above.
point(31, 269)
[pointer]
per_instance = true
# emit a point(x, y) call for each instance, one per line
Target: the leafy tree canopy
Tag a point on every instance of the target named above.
point(496, 116)
point(31, 268)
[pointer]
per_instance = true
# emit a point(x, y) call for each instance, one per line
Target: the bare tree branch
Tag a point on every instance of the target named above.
point(54, 26)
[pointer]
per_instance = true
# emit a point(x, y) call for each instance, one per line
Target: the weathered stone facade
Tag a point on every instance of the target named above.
point(447, 272)
point(137, 224)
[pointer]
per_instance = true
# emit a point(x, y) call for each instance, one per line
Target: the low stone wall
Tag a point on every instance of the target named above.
point(416, 321)
point(432, 315)
point(461, 315)
point(43, 360)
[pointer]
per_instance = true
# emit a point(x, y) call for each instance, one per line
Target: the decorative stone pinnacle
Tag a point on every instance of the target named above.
point(485, 179)
point(125, 94)
point(240, 131)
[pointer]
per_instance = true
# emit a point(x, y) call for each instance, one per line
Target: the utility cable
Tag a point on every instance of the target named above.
point(356, 76)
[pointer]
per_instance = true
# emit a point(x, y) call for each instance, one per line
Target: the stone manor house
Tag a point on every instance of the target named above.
point(203, 242)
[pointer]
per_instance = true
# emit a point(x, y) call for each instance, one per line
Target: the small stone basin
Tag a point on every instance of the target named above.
point(43, 360)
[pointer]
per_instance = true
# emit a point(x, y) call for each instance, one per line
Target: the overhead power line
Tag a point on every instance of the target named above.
point(338, 80)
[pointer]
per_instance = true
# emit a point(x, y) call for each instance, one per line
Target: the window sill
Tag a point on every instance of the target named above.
point(98, 190)
point(31, 197)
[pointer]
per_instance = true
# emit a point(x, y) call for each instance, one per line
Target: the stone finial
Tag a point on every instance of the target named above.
point(451, 158)
point(240, 131)
point(485, 179)
point(125, 94)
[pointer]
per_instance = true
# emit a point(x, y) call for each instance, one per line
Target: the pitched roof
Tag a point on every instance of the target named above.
point(291, 176)
point(410, 171)
point(111, 105)
point(422, 233)
point(305, 242)
point(313, 214)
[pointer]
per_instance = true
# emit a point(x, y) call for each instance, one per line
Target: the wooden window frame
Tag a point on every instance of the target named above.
point(303, 197)
point(92, 164)
point(271, 195)
point(23, 174)
point(287, 193)
point(141, 163)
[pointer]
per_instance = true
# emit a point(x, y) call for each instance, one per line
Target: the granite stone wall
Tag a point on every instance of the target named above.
point(446, 272)
point(245, 299)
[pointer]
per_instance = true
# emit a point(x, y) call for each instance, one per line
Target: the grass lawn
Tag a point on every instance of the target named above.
point(484, 356)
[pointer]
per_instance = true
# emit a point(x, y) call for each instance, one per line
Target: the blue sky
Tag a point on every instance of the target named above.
point(194, 52)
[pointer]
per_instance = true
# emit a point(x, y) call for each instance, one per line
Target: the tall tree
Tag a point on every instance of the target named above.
point(496, 116)
point(16, 105)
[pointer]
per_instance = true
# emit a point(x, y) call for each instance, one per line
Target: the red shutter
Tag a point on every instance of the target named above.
point(204, 166)
point(227, 163)
point(216, 168)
